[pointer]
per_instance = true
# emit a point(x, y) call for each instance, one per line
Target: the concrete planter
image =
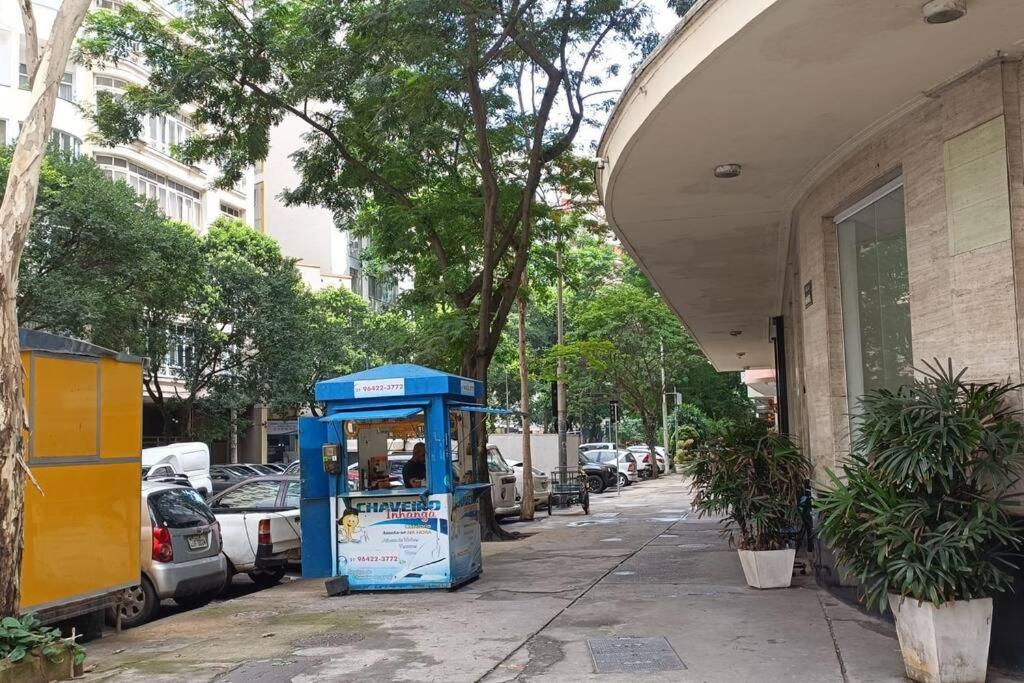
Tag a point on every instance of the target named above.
point(768, 568)
point(947, 644)
point(35, 669)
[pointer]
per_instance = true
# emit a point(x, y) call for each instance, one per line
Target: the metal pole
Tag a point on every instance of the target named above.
point(562, 455)
point(664, 411)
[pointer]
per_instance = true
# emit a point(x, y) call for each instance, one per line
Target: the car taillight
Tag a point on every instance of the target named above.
point(631, 468)
point(508, 480)
point(264, 532)
point(162, 550)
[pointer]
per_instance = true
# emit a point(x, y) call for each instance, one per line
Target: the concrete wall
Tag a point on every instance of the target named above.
point(963, 303)
point(543, 448)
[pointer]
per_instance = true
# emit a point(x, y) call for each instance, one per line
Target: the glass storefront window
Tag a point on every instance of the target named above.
point(875, 293)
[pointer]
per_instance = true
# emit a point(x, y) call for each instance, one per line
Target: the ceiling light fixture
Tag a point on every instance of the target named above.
point(728, 171)
point(944, 11)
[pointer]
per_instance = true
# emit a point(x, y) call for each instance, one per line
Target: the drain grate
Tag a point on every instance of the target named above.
point(632, 654)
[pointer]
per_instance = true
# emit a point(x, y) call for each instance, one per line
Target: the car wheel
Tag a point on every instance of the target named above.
point(194, 601)
point(265, 578)
point(138, 604)
point(623, 480)
point(596, 483)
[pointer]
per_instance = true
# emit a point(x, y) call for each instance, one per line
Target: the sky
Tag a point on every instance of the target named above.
point(664, 19)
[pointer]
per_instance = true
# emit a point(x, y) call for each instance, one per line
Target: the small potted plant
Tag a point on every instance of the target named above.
point(919, 516)
point(756, 484)
point(30, 652)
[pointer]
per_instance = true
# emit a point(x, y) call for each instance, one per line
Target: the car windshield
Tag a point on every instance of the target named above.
point(256, 494)
point(179, 508)
point(496, 463)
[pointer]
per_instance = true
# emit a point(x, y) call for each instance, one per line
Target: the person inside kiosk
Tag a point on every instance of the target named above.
point(414, 473)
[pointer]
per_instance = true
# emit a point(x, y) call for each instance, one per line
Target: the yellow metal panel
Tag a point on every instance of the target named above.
point(121, 409)
point(82, 536)
point(66, 406)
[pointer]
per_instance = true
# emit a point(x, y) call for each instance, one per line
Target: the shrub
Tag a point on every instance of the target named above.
point(920, 507)
point(755, 484)
point(21, 637)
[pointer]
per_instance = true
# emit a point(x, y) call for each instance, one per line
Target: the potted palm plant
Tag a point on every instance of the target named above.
point(755, 484)
point(919, 515)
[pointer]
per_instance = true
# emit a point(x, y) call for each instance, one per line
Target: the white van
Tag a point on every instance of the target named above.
point(191, 459)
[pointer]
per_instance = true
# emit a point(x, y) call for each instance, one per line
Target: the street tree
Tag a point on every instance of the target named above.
point(45, 64)
point(233, 340)
point(101, 263)
point(619, 337)
point(340, 334)
point(432, 123)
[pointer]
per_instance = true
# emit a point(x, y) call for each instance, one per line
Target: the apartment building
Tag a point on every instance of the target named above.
point(834, 190)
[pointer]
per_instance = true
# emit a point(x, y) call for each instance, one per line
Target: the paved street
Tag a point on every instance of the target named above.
point(641, 565)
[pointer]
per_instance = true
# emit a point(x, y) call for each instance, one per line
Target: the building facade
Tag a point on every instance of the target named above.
point(834, 190)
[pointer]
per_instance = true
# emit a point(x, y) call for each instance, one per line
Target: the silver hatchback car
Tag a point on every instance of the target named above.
point(180, 553)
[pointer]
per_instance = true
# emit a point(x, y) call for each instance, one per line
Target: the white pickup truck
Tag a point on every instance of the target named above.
point(190, 459)
point(259, 522)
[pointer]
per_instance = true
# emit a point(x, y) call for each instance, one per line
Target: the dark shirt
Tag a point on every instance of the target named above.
point(414, 470)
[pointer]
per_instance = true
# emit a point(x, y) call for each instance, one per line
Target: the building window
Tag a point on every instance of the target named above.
point(111, 84)
point(357, 280)
point(177, 201)
point(114, 5)
point(232, 211)
point(164, 131)
point(66, 87)
point(875, 292)
point(179, 351)
point(257, 205)
point(65, 142)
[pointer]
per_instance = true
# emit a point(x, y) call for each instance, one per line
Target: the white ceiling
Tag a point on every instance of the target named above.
point(777, 86)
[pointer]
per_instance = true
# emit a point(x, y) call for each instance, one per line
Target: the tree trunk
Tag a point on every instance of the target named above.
point(651, 436)
point(475, 367)
point(524, 407)
point(15, 218)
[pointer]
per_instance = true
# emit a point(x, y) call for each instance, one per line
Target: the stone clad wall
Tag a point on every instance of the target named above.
point(964, 300)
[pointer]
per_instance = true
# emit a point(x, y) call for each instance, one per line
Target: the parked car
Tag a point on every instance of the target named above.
point(503, 483)
point(191, 459)
point(626, 462)
point(599, 475)
point(165, 474)
point(180, 553)
point(292, 468)
point(259, 520)
point(224, 476)
point(541, 485)
point(276, 467)
point(596, 445)
point(643, 453)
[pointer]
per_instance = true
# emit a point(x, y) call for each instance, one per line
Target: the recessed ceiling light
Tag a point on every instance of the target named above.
point(944, 11)
point(728, 171)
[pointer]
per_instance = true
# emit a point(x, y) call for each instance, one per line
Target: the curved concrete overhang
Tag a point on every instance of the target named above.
point(785, 88)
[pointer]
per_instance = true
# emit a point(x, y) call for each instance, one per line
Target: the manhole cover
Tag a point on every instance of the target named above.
point(630, 654)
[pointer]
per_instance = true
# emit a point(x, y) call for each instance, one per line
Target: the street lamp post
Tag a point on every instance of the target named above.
point(562, 455)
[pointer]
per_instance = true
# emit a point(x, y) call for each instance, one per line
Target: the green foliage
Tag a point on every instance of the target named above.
point(101, 262)
point(25, 636)
point(755, 484)
point(920, 508)
point(681, 6)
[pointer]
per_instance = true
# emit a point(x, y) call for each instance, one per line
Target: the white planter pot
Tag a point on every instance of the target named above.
point(947, 644)
point(768, 568)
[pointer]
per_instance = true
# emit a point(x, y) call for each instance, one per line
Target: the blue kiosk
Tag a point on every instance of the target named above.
point(360, 518)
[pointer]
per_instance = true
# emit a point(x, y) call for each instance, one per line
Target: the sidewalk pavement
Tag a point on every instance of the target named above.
point(641, 565)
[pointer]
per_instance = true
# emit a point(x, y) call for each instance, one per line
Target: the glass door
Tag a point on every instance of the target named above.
point(875, 293)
